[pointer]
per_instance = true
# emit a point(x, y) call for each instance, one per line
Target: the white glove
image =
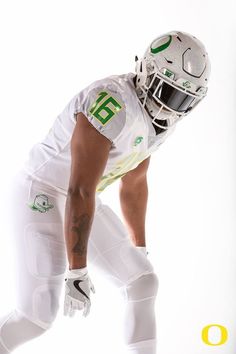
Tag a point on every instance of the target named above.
point(77, 292)
point(143, 249)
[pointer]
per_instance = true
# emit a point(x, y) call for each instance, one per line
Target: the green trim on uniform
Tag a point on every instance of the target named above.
point(161, 47)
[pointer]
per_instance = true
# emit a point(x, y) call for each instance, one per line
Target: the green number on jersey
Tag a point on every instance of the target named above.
point(105, 109)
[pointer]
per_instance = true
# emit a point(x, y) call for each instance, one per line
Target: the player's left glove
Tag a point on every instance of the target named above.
point(77, 288)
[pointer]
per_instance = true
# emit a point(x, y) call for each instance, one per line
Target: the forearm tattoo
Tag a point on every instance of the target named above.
point(81, 226)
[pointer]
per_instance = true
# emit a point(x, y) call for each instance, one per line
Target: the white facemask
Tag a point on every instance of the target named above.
point(159, 113)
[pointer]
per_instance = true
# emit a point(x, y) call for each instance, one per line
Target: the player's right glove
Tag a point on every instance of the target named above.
point(77, 296)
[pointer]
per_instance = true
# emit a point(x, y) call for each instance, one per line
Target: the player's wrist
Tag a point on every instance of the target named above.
point(77, 261)
point(142, 249)
point(76, 272)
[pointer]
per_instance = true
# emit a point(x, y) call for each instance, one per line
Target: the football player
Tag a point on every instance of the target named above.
point(106, 132)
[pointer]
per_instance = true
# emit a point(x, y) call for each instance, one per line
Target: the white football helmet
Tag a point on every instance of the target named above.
point(172, 77)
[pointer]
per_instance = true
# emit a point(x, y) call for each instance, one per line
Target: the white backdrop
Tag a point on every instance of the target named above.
point(49, 51)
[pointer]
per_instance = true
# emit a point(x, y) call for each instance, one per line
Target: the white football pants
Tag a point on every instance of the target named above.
point(40, 251)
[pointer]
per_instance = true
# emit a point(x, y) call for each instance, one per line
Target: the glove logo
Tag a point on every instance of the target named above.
point(76, 285)
point(41, 203)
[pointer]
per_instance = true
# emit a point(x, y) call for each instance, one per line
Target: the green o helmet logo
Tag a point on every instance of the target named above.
point(161, 47)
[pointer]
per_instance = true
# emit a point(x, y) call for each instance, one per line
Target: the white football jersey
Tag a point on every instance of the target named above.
point(113, 108)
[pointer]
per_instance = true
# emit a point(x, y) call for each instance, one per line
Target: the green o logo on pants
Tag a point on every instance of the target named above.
point(105, 107)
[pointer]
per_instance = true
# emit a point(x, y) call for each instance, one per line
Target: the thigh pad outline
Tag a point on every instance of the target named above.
point(46, 251)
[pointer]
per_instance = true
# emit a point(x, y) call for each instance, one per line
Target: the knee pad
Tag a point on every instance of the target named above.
point(16, 329)
point(144, 287)
point(139, 320)
point(41, 263)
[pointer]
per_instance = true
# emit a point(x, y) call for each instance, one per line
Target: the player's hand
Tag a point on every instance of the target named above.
point(77, 292)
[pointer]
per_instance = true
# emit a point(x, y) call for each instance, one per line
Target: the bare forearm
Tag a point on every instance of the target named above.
point(133, 203)
point(79, 212)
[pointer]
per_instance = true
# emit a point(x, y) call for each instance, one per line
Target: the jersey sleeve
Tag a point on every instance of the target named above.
point(106, 111)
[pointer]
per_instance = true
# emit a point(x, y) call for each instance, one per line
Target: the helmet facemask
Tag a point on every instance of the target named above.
point(167, 100)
